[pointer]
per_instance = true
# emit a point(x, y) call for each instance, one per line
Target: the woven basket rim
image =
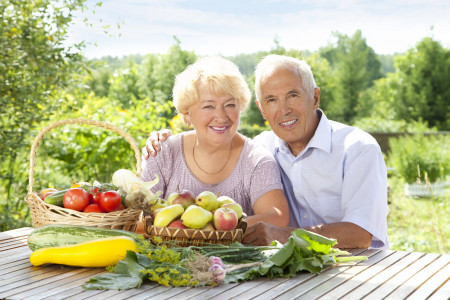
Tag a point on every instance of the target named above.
point(196, 235)
point(43, 213)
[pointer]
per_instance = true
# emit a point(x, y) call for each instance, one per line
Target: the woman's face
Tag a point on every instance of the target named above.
point(215, 118)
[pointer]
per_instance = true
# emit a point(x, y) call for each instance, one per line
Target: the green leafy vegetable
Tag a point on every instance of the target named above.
point(191, 266)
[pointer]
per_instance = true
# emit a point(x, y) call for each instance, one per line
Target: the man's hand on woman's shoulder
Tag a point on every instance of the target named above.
point(153, 145)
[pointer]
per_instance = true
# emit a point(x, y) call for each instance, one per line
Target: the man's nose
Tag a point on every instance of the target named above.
point(285, 107)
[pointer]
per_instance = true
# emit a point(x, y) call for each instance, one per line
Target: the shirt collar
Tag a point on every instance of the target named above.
point(322, 136)
point(320, 140)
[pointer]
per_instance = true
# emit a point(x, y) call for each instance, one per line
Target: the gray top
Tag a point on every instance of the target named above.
point(255, 173)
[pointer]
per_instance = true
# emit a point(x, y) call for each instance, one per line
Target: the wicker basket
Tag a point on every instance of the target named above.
point(196, 237)
point(43, 213)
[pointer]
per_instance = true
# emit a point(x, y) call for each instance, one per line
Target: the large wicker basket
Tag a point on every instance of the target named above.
point(43, 213)
point(196, 237)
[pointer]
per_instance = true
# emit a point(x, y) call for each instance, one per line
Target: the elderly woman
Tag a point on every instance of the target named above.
point(210, 95)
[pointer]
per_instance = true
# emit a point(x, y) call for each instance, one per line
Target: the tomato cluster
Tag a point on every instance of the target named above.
point(92, 201)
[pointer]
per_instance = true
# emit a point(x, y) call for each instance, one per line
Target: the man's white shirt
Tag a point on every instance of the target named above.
point(339, 177)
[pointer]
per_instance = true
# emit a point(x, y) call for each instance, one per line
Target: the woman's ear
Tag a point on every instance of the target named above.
point(187, 119)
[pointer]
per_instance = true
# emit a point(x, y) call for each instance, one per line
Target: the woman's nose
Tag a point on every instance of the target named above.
point(221, 114)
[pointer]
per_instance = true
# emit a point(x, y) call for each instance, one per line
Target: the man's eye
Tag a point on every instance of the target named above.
point(292, 95)
point(270, 100)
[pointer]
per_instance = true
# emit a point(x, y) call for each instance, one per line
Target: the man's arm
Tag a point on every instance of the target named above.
point(347, 234)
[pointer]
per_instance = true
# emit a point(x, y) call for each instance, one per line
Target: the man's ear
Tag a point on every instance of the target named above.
point(316, 97)
point(260, 109)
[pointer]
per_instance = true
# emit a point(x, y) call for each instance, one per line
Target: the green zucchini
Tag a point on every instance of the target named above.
point(66, 235)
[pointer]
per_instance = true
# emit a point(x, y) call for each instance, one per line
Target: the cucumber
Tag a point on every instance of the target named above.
point(65, 235)
point(56, 198)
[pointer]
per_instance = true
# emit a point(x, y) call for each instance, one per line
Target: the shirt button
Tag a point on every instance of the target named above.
point(305, 216)
point(295, 164)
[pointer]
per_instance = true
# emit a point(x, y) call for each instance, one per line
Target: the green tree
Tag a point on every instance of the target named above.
point(35, 66)
point(423, 88)
point(124, 85)
point(355, 66)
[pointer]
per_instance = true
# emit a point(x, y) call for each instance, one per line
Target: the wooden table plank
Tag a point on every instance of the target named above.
point(443, 292)
point(327, 274)
point(49, 279)
point(358, 274)
point(398, 279)
point(215, 291)
point(20, 232)
point(401, 271)
point(260, 289)
point(48, 290)
point(434, 275)
point(13, 266)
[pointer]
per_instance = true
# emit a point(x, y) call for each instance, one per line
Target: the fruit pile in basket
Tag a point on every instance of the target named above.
point(206, 211)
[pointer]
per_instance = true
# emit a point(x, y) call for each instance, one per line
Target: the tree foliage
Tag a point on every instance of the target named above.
point(422, 86)
point(35, 66)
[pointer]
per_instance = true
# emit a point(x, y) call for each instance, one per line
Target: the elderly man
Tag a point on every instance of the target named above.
point(334, 175)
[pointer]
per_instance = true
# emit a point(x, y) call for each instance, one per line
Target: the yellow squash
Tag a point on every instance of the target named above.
point(96, 253)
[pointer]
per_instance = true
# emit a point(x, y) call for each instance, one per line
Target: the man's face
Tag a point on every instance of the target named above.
point(287, 107)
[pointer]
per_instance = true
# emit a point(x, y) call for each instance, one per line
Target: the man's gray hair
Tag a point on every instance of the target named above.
point(271, 63)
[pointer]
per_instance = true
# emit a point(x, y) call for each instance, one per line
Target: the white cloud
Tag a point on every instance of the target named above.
point(237, 26)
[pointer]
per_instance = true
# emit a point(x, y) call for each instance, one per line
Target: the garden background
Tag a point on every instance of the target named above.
point(401, 99)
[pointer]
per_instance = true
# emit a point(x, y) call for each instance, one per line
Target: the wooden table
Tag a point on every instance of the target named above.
point(386, 274)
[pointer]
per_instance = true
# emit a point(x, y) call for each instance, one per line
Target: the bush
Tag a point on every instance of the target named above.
point(413, 156)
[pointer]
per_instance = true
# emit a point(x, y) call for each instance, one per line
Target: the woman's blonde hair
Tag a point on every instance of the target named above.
point(220, 76)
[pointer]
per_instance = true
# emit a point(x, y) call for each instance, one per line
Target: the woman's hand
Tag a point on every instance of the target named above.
point(152, 145)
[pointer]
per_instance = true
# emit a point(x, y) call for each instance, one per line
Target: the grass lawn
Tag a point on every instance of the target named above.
point(418, 224)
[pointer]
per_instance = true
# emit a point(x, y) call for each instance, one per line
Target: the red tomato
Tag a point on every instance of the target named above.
point(93, 208)
point(120, 207)
point(76, 199)
point(93, 198)
point(109, 201)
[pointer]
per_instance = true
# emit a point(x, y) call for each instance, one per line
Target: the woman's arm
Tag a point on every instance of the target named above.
point(271, 208)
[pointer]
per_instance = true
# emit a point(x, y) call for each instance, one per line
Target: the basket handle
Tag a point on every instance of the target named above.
point(101, 124)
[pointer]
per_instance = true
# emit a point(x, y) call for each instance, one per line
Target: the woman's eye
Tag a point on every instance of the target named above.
point(208, 107)
point(231, 105)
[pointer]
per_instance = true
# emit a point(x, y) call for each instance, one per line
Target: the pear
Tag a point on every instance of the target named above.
point(196, 217)
point(167, 214)
point(225, 200)
point(161, 203)
point(207, 200)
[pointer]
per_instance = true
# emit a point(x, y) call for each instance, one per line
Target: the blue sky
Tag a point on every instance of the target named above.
point(229, 27)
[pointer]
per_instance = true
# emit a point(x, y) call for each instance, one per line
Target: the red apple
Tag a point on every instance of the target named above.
point(183, 197)
point(225, 219)
point(177, 224)
point(236, 207)
point(208, 227)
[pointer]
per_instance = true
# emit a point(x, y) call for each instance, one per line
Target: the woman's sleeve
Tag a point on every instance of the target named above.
point(157, 166)
point(265, 176)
